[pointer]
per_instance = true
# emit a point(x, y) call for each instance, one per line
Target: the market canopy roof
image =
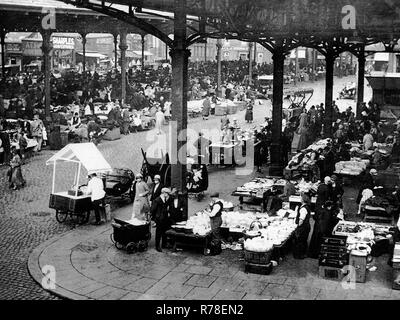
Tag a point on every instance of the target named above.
point(85, 153)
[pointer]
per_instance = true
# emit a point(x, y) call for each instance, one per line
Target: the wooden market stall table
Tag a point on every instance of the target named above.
point(182, 239)
point(295, 200)
point(258, 196)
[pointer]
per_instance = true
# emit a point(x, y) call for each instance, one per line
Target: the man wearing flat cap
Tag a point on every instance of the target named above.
point(159, 213)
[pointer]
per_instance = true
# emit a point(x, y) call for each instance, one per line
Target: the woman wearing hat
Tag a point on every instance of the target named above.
point(249, 112)
point(141, 204)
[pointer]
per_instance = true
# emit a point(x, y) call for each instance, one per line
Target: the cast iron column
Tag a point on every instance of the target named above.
point(84, 53)
point(276, 167)
point(142, 52)
point(360, 84)
point(250, 64)
point(116, 50)
point(205, 50)
point(3, 53)
point(330, 61)
point(46, 50)
point(179, 61)
point(219, 46)
point(123, 46)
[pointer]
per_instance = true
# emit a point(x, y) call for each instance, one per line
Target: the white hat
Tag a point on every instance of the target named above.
point(327, 180)
point(166, 190)
point(373, 172)
point(157, 177)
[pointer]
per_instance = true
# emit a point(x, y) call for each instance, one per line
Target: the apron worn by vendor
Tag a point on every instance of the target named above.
point(216, 220)
point(301, 234)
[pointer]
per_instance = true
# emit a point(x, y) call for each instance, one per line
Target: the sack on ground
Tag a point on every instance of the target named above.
point(215, 247)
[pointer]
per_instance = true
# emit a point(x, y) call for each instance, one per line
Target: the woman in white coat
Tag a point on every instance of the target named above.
point(159, 120)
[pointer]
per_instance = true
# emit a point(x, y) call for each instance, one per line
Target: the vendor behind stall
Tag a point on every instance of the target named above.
point(303, 228)
point(95, 188)
point(216, 215)
point(75, 122)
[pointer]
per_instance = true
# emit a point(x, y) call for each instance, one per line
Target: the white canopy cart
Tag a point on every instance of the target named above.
point(74, 202)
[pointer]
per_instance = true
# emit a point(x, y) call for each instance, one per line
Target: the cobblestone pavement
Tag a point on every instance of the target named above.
point(26, 221)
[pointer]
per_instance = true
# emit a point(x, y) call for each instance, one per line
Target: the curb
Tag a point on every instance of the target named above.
point(35, 270)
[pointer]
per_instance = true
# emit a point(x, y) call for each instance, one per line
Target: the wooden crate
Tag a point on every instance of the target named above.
point(331, 273)
point(360, 265)
point(258, 269)
point(259, 258)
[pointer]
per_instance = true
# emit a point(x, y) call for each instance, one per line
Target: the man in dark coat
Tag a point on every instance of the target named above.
point(159, 212)
point(324, 193)
point(325, 221)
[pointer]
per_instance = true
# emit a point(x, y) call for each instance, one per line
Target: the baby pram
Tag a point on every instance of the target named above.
point(197, 181)
point(130, 237)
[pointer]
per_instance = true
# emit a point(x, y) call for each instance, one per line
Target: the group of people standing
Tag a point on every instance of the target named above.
point(159, 204)
point(327, 208)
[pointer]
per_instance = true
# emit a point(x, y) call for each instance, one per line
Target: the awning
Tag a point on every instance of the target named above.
point(93, 55)
point(139, 53)
point(381, 56)
point(85, 153)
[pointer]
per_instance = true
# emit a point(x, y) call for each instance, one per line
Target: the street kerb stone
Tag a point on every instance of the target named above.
point(199, 280)
point(251, 286)
point(302, 292)
point(278, 290)
point(199, 293)
point(199, 270)
point(176, 277)
point(141, 285)
point(229, 295)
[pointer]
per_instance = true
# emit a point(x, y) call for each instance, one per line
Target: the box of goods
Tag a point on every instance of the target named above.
point(335, 240)
point(331, 273)
point(334, 263)
point(221, 110)
point(260, 258)
point(241, 105)
point(259, 269)
point(358, 261)
point(232, 109)
point(333, 249)
point(113, 134)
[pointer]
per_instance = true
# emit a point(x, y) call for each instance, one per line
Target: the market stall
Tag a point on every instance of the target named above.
point(258, 190)
point(74, 202)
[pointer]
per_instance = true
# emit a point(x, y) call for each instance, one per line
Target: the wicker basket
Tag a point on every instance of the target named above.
point(261, 258)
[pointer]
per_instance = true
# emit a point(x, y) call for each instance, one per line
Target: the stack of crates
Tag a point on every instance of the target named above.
point(396, 267)
point(333, 257)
